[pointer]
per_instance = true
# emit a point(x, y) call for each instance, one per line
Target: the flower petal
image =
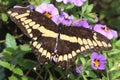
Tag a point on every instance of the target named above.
point(101, 57)
point(94, 56)
point(109, 33)
point(78, 70)
point(114, 33)
point(101, 67)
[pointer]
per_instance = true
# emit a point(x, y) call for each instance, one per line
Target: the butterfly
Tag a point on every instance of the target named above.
point(51, 42)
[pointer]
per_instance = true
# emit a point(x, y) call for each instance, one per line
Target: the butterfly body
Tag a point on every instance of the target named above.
point(47, 37)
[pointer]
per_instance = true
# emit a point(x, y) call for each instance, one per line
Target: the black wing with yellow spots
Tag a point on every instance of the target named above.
point(47, 37)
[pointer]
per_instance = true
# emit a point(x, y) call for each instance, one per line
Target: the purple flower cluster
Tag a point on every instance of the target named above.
point(75, 2)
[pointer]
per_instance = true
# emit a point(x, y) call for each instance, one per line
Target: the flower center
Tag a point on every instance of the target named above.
point(106, 29)
point(47, 14)
point(96, 63)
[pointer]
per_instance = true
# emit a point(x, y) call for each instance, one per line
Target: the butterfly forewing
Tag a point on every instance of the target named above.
point(44, 34)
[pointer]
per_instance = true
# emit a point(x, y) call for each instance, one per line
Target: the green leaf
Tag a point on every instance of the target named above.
point(4, 17)
point(84, 7)
point(89, 8)
point(13, 78)
point(83, 60)
point(27, 64)
point(5, 64)
point(70, 6)
point(117, 44)
point(114, 51)
point(25, 48)
point(91, 74)
point(18, 71)
point(105, 78)
point(110, 63)
point(116, 75)
point(10, 41)
point(24, 78)
point(45, 1)
point(90, 17)
point(8, 51)
point(72, 77)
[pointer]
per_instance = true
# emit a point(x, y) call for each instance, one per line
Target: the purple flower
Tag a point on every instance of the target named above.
point(98, 61)
point(49, 10)
point(64, 1)
point(78, 70)
point(81, 23)
point(29, 7)
point(65, 19)
point(78, 2)
point(75, 2)
point(104, 30)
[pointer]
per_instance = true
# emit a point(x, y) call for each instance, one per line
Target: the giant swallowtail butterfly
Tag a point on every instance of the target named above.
point(46, 36)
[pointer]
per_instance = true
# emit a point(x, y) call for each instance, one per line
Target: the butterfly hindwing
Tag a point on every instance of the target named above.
point(75, 41)
point(45, 34)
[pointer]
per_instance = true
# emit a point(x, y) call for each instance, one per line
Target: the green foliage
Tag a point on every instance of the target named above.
point(10, 42)
point(87, 12)
point(4, 17)
point(25, 48)
point(13, 78)
point(11, 67)
point(13, 56)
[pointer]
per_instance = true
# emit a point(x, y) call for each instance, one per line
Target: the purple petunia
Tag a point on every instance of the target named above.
point(65, 19)
point(64, 1)
point(104, 30)
point(78, 70)
point(78, 2)
point(49, 10)
point(98, 61)
point(81, 23)
point(75, 2)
